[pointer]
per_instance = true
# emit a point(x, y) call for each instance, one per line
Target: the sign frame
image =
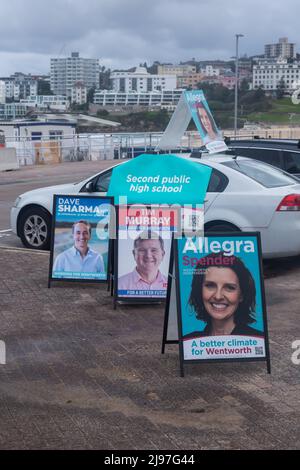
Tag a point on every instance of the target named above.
point(183, 361)
point(51, 279)
point(136, 300)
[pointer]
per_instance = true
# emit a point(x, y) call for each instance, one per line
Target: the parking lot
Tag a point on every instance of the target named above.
point(81, 375)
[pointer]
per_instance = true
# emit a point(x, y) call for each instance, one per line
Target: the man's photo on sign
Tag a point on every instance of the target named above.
point(143, 265)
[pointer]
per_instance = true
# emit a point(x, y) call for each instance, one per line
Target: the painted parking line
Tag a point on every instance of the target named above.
point(5, 233)
point(7, 230)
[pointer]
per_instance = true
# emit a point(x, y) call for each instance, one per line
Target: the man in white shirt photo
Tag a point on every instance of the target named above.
point(80, 258)
point(148, 254)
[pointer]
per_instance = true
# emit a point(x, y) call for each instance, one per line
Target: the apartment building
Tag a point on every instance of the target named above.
point(141, 81)
point(65, 72)
point(164, 98)
point(169, 69)
point(20, 86)
point(47, 102)
point(190, 80)
point(269, 75)
point(10, 111)
point(282, 49)
point(79, 93)
point(2, 92)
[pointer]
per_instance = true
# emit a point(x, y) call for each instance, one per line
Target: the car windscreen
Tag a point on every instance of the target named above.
point(263, 173)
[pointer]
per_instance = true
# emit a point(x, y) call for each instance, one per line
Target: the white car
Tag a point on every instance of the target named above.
point(243, 195)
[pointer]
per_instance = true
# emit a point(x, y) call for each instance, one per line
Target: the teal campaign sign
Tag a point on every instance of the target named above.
point(160, 179)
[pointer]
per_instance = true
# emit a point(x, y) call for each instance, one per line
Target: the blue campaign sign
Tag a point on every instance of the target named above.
point(80, 238)
point(222, 309)
point(160, 179)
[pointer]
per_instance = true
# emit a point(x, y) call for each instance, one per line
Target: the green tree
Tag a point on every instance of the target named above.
point(44, 88)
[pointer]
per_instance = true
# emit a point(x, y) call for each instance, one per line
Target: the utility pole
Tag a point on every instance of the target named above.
point(237, 36)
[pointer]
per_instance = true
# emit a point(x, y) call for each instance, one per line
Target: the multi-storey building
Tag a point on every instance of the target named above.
point(12, 111)
point(162, 98)
point(283, 49)
point(141, 81)
point(20, 86)
point(2, 92)
point(190, 80)
point(210, 71)
point(47, 102)
point(65, 72)
point(169, 69)
point(270, 75)
point(79, 93)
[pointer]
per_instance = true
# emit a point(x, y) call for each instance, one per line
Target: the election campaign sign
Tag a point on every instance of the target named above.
point(193, 104)
point(80, 245)
point(220, 299)
point(160, 179)
point(143, 245)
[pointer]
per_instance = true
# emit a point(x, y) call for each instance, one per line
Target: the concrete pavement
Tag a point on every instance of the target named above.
point(80, 375)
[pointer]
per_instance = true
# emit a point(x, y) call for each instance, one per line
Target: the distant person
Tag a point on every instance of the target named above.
point(207, 124)
point(148, 254)
point(80, 258)
point(223, 295)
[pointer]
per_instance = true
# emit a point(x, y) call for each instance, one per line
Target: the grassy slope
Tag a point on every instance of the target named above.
point(283, 112)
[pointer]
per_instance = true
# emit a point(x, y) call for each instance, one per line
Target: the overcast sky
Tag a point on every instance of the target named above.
point(123, 33)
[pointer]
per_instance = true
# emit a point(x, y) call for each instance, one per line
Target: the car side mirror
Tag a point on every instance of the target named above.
point(89, 187)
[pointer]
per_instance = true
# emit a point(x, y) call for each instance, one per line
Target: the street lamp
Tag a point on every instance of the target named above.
point(237, 36)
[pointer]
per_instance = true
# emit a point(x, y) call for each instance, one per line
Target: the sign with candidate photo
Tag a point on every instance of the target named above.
point(143, 251)
point(220, 298)
point(80, 245)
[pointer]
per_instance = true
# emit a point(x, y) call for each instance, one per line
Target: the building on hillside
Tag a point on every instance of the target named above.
point(276, 74)
point(47, 102)
point(170, 69)
point(108, 98)
point(65, 72)
point(20, 86)
point(2, 92)
point(189, 80)
point(210, 71)
point(283, 49)
point(79, 93)
point(141, 81)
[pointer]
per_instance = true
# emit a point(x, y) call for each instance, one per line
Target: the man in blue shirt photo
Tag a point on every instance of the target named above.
point(80, 258)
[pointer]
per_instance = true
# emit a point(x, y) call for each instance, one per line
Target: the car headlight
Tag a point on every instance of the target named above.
point(17, 201)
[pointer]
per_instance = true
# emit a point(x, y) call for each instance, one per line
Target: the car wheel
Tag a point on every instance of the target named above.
point(35, 228)
point(221, 227)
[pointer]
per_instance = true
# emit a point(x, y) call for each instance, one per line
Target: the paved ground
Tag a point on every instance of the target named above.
point(80, 375)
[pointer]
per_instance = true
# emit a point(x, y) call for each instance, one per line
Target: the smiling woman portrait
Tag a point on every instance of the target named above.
point(223, 295)
point(207, 124)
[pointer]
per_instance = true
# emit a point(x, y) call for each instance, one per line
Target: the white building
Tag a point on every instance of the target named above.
point(20, 86)
point(47, 102)
point(65, 72)
point(210, 71)
point(79, 93)
point(270, 74)
point(2, 92)
point(12, 111)
point(162, 98)
point(141, 81)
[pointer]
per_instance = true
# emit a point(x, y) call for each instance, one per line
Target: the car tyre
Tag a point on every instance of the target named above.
point(221, 227)
point(35, 228)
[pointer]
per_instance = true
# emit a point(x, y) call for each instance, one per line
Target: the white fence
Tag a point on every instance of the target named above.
point(81, 147)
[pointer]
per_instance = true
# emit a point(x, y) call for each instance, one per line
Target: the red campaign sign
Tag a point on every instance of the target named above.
point(131, 217)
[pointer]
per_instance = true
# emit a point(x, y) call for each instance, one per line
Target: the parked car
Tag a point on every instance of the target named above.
point(243, 195)
point(284, 154)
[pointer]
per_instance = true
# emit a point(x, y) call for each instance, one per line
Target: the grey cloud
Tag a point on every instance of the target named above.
point(124, 32)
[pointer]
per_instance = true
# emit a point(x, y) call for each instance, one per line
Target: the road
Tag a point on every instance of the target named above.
point(14, 183)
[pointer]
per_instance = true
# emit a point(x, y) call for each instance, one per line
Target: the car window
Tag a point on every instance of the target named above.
point(272, 157)
point(263, 173)
point(218, 182)
point(102, 182)
point(292, 162)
